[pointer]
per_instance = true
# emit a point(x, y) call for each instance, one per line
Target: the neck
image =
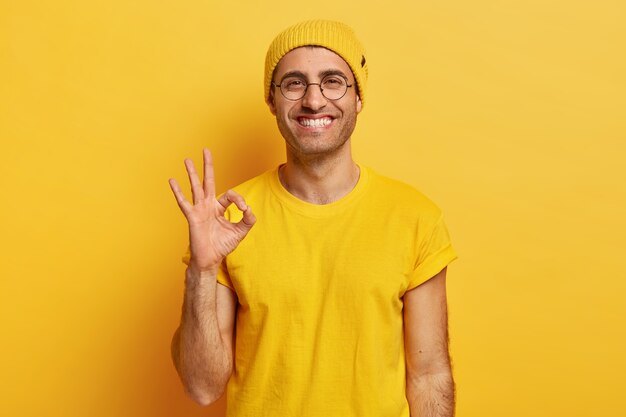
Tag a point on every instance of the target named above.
point(319, 180)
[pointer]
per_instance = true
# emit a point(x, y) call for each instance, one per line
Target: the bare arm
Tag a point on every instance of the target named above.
point(202, 345)
point(429, 382)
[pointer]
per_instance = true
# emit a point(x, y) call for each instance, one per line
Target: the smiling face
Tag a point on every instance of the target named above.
point(314, 126)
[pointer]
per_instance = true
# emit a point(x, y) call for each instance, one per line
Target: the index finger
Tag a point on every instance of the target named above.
point(209, 176)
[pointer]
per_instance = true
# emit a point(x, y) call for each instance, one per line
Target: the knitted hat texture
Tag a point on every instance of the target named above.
point(332, 35)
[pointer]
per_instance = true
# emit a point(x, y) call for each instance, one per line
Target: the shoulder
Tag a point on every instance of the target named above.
point(254, 191)
point(402, 196)
point(254, 183)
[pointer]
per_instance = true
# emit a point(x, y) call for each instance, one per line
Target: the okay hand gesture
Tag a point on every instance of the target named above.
point(211, 235)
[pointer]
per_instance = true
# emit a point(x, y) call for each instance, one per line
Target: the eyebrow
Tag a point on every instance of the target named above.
point(321, 74)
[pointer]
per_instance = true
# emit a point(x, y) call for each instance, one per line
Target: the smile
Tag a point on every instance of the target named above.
point(321, 122)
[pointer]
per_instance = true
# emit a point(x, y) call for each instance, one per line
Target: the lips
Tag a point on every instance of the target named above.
point(315, 122)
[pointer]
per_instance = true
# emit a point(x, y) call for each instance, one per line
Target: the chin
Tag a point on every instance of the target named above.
point(314, 143)
point(316, 148)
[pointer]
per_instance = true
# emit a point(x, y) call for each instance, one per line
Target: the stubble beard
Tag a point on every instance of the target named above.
point(316, 145)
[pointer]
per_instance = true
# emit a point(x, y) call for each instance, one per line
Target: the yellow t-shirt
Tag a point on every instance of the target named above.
point(319, 329)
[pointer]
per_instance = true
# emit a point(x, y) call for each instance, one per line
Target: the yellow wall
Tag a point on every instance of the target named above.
point(509, 114)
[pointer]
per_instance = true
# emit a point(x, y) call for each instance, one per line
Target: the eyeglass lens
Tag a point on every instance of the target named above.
point(333, 87)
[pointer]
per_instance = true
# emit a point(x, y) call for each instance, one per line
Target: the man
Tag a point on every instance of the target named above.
point(318, 288)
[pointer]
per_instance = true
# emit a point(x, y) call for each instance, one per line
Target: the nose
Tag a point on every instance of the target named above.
point(313, 97)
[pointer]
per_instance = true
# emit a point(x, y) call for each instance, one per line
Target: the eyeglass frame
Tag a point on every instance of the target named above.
point(317, 84)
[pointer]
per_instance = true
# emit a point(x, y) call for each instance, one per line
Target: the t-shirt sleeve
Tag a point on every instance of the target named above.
point(223, 277)
point(434, 252)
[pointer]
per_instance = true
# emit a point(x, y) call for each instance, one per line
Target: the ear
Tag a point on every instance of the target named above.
point(270, 103)
point(359, 104)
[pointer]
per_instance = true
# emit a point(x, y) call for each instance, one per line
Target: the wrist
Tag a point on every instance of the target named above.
point(195, 274)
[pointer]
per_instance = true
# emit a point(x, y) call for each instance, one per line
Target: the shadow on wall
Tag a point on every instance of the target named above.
point(246, 158)
point(253, 147)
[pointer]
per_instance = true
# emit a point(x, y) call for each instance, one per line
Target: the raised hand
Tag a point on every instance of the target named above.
point(211, 235)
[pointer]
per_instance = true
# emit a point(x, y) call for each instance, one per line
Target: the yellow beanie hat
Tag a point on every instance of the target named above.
point(335, 36)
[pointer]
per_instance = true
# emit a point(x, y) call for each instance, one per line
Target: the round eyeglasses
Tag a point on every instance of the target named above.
point(333, 87)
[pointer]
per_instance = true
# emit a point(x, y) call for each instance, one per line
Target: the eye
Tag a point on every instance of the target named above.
point(333, 82)
point(293, 84)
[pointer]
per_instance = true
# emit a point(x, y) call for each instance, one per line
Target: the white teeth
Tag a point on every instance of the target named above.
point(325, 121)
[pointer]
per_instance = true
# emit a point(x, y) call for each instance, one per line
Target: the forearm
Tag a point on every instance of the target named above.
point(431, 394)
point(202, 359)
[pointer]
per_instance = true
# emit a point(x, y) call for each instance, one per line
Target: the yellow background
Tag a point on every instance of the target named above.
point(509, 114)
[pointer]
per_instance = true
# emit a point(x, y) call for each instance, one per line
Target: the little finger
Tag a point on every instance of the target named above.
point(180, 197)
